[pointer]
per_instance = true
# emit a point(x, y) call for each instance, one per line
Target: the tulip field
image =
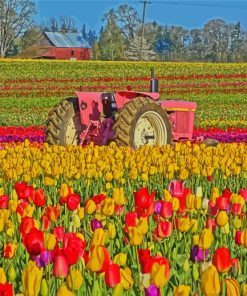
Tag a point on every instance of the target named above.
point(108, 220)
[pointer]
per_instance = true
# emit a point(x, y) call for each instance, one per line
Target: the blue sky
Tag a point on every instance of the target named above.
point(186, 13)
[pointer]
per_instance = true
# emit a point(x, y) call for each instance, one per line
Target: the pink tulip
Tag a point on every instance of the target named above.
point(60, 267)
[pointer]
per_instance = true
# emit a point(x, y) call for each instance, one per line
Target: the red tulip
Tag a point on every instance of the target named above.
point(236, 209)
point(213, 209)
point(33, 242)
point(6, 289)
point(131, 219)
point(182, 200)
point(112, 275)
point(118, 210)
point(27, 223)
point(60, 266)
point(243, 193)
point(73, 248)
point(222, 202)
point(210, 224)
point(39, 198)
point(73, 201)
point(4, 201)
point(144, 202)
point(210, 178)
point(164, 229)
point(226, 193)
point(166, 210)
point(222, 259)
point(238, 237)
point(98, 198)
point(145, 260)
point(59, 233)
point(24, 191)
point(46, 222)
point(21, 207)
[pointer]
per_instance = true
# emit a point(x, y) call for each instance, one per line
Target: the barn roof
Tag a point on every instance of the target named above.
point(67, 39)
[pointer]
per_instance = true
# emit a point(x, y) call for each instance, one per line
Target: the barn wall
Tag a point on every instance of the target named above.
point(76, 53)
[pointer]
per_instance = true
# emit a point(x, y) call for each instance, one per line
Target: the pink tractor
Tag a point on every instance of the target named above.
point(129, 118)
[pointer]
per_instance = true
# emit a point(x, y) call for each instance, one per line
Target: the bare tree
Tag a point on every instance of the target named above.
point(67, 24)
point(126, 18)
point(15, 18)
point(61, 24)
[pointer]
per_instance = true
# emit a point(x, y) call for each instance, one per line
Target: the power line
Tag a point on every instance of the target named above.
point(183, 3)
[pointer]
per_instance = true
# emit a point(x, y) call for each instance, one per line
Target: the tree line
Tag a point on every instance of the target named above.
point(121, 36)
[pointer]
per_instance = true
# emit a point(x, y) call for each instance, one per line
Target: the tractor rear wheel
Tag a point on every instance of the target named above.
point(63, 125)
point(142, 121)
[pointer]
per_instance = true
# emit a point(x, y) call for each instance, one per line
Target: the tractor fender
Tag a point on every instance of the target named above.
point(122, 97)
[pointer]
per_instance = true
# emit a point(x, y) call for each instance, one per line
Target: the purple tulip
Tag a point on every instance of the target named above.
point(198, 254)
point(43, 259)
point(157, 207)
point(95, 223)
point(152, 290)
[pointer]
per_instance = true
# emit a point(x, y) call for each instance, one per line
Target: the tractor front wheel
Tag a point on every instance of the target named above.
point(63, 125)
point(142, 121)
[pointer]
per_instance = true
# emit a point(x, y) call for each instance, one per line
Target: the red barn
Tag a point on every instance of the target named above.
point(59, 46)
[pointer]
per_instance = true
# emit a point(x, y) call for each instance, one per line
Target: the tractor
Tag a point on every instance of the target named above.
point(129, 118)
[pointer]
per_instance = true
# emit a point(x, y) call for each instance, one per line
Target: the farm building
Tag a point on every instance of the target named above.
point(58, 46)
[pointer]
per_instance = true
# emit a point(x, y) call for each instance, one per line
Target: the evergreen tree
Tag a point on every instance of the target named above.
point(111, 42)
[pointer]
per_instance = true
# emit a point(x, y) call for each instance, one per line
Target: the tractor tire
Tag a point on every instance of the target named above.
point(142, 121)
point(63, 126)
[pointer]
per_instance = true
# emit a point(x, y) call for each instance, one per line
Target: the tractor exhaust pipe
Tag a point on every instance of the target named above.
point(154, 83)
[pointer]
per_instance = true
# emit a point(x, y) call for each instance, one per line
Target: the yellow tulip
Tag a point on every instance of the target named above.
point(190, 201)
point(135, 236)
point(157, 275)
point(198, 202)
point(126, 278)
point(118, 196)
point(28, 211)
point(111, 231)
point(64, 291)
point(99, 237)
point(222, 218)
point(210, 281)
point(118, 290)
point(49, 241)
point(206, 238)
point(2, 276)
point(44, 289)
point(31, 279)
point(64, 190)
point(48, 181)
point(143, 225)
point(120, 259)
point(244, 289)
point(232, 287)
point(96, 259)
point(108, 206)
point(81, 213)
point(244, 237)
point(181, 290)
point(184, 224)
point(13, 205)
point(74, 279)
point(90, 206)
point(175, 204)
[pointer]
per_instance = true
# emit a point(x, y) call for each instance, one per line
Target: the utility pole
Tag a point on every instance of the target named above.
point(143, 18)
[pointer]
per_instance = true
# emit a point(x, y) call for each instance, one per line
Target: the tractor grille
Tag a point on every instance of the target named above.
point(183, 122)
